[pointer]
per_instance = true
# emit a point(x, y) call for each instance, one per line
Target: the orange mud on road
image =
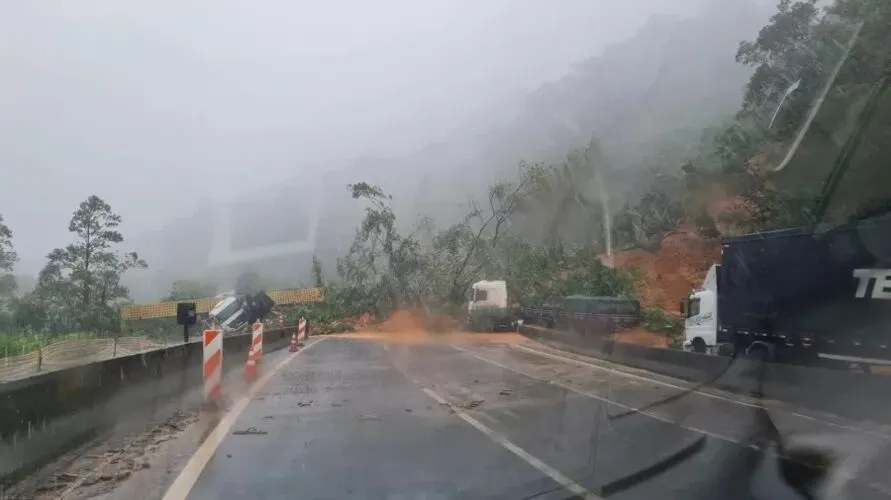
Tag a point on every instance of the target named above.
point(415, 327)
point(422, 337)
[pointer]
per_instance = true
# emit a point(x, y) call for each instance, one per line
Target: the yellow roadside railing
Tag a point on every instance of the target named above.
point(203, 306)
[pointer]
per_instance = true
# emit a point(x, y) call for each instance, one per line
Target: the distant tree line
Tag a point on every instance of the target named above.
point(79, 287)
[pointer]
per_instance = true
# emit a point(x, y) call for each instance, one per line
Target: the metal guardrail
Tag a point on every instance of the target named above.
point(45, 414)
point(851, 394)
point(68, 353)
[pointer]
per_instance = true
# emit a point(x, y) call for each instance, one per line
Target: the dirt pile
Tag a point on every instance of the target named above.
point(409, 320)
point(669, 273)
point(406, 326)
point(403, 321)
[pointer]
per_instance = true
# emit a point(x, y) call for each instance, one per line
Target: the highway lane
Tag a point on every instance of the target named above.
point(343, 422)
point(353, 418)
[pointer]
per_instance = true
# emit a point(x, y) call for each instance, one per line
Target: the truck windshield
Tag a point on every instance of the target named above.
point(693, 310)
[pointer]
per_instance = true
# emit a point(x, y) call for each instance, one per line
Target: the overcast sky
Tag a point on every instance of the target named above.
point(147, 103)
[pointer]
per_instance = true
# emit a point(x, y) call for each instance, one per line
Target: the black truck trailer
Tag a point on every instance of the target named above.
point(801, 295)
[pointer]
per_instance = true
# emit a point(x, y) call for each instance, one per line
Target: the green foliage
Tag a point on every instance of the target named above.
point(332, 315)
point(8, 258)
point(808, 108)
point(432, 270)
point(658, 211)
point(657, 320)
point(80, 286)
point(317, 272)
point(539, 274)
point(16, 344)
point(565, 203)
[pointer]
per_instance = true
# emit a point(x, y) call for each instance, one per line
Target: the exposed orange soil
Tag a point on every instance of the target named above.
point(670, 273)
point(414, 327)
point(678, 266)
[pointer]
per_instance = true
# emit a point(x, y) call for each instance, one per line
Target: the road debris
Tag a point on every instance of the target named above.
point(250, 431)
point(368, 417)
point(505, 392)
point(467, 405)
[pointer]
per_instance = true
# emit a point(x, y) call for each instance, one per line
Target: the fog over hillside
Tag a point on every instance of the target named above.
point(656, 89)
point(450, 97)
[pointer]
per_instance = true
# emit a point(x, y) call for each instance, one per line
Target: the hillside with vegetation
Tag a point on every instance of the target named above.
point(630, 179)
point(645, 98)
point(810, 131)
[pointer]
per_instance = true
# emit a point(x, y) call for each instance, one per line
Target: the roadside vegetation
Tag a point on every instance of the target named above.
point(550, 228)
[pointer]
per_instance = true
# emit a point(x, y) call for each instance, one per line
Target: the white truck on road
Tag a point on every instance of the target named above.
point(798, 296)
point(487, 309)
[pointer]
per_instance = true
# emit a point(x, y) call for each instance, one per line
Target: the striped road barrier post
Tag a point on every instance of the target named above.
point(257, 341)
point(301, 330)
point(213, 365)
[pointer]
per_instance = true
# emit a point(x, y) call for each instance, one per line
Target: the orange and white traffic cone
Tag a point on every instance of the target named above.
point(250, 368)
point(293, 347)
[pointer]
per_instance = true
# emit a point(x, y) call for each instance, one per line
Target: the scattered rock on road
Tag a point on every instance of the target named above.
point(249, 432)
point(467, 405)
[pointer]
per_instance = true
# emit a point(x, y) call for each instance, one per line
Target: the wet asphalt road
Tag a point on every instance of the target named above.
point(350, 418)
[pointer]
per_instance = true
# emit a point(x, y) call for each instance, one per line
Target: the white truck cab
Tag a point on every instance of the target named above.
point(488, 294)
point(700, 310)
point(487, 307)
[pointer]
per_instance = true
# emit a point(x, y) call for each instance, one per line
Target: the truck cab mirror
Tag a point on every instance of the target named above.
point(682, 308)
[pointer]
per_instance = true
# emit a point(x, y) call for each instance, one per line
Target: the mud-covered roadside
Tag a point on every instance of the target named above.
point(97, 468)
point(139, 457)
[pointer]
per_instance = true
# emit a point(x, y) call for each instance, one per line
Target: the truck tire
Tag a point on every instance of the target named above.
point(699, 346)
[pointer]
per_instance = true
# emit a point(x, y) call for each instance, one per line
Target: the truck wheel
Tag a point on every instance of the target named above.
point(699, 346)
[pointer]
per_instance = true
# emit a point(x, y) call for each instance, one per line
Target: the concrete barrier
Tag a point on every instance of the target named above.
point(46, 415)
point(852, 395)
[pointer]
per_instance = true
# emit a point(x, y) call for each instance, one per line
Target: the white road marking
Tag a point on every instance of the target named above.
point(718, 397)
point(624, 373)
point(546, 469)
point(187, 478)
point(841, 474)
point(466, 391)
point(594, 396)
